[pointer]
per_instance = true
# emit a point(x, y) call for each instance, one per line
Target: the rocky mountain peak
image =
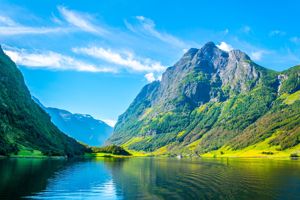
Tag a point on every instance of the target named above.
point(201, 74)
point(213, 97)
point(238, 55)
point(209, 47)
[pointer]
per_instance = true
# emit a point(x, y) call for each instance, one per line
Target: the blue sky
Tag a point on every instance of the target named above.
point(93, 57)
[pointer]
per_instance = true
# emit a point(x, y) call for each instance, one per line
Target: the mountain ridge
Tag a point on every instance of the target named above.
point(82, 127)
point(211, 97)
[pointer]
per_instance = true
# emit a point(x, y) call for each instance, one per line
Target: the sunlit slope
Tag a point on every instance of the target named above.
point(211, 100)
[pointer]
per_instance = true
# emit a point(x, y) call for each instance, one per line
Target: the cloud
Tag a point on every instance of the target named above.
point(76, 21)
point(80, 20)
point(153, 77)
point(225, 47)
point(147, 27)
point(150, 77)
point(184, 50)
point(9, 27)
point(50, 60)
point(159, 77)
point(110, 122)
point(126, 60)
point(257, 55)
point(7, 21)
point(277, 33)
point(22, 30)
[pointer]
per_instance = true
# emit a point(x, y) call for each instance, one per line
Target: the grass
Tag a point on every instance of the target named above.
point(262, 149)
point(290, 99)
point(161, 151)
point(132, 141)
point(193, 145)
point(105, 155)
point(201, 108)
point(259, 150)
point(181, 133)
point(146, 113)
point(27, 153)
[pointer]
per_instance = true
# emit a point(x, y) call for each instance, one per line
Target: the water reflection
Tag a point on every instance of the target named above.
point(149, 178)
point(20, 177)
point(88, 179)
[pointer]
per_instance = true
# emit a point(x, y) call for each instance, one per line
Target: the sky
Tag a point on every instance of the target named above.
point(93, 57)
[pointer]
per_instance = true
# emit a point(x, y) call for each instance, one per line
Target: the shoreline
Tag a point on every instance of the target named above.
point(106, 155)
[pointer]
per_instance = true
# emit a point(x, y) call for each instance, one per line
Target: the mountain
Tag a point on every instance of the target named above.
point(24, 126)
point(212, 100)
point(82, 127)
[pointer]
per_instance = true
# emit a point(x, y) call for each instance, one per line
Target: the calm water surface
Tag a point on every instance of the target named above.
point(149, 178)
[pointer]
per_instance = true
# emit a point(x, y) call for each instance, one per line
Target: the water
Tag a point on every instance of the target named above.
point(149, 178)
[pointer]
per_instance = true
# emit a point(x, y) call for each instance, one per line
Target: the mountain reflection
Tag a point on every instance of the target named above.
point(149, 178)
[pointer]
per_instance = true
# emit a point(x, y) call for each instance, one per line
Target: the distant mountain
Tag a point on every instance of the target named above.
point(214, 100)
point(23, 124)
point(82, 127)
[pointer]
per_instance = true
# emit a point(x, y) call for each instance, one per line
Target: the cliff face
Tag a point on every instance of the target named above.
point(201, 74)
point(209, 99)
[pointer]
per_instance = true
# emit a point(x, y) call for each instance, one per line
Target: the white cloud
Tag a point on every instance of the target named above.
point(81, 21)
point(56, 20)
point(9, 27)
point(276, 33)
point(159, 77)
point(147, 27)
point(110, 122)
point(7, 21)
point(78, 22)
point(22, 30)
point(126, 60)
point(153, 77)
point(184, 50)
point(50, 60)
point(225, 47)
point(141, 18)
point(150, 77)
point(257, 55)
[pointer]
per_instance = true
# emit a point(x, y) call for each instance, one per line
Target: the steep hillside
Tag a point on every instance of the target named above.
point(24, 126)
point(83, 128)
point(212, 99)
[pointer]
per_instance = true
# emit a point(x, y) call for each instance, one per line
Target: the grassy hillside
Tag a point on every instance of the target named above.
point(24, 126)
point(214, 101)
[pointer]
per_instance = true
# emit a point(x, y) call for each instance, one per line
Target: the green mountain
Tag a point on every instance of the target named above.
point(82, 127)
point(211, 101)
point(24, 126)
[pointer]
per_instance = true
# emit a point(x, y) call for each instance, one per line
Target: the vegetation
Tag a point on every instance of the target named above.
point(267, 152)
point(294, 155)
point(112, 149)
point(24, 126)
point(200, 114)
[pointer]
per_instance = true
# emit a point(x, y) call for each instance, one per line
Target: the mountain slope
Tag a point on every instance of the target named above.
point(23, 124)
point(211, 99)
point(83, 128)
